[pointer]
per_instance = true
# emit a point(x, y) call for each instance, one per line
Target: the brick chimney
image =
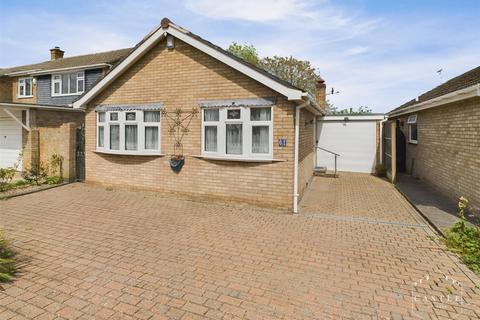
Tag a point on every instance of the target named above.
point(320, 92)
point(56, 53)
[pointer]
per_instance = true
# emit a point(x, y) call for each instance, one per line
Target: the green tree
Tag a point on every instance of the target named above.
point(246, 52)
point(330, 108)
point(350, 111)
point(300, 73)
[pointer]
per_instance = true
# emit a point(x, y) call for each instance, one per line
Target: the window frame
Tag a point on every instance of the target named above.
point(22, 84)
point(412, 121)
point(122, 122)
point(247, 126)
point(80, 77)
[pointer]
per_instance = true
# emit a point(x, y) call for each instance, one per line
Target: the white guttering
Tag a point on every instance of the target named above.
point(19, 73)
point(346, 117)
point(23, 106)
point(295, 161)
point(49, 71)
point(470, 92)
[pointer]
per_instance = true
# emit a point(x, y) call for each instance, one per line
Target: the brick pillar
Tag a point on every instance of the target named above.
point(31, 151)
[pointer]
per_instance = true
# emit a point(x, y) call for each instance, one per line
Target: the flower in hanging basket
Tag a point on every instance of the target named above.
point(177, 162)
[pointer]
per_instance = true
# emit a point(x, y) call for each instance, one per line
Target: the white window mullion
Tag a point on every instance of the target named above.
point(107, 136)
point(247, 133)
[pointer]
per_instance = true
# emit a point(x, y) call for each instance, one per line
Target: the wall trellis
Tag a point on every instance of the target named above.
point(178, 122)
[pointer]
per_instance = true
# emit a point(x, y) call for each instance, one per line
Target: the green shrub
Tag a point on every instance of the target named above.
point(36, 173)
point(6, 177)
point(56, 165)
point(7, 263)
point(53, 180)
point(380, 170)
point(464, 239)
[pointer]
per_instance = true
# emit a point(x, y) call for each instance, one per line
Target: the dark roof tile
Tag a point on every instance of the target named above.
point(110, 57)
point(465, 80)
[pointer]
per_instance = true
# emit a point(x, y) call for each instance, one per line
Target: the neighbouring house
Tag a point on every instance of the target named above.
point(36, 114)
point(244, 134)
point(436, 138)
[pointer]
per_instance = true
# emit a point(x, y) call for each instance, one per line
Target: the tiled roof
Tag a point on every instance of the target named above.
point(110, 57)
point(242, 61)
point(462, 81)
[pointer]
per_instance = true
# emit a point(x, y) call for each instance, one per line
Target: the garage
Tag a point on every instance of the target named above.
point(10, 139)
point(352, 138)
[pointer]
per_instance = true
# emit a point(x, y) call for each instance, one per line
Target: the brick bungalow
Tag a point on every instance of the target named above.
point(437, 137)
point(245, 135)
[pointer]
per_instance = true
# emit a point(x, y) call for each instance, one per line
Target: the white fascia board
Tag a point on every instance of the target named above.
point(353, 118)
point(470, 92)
point(290, 93)
point(117, 71)
point(20, 73)
point(86, 67)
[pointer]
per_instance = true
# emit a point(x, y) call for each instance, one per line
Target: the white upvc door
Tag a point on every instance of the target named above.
point(10, 140)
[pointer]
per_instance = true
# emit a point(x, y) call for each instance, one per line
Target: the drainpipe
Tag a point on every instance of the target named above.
point(295, 165)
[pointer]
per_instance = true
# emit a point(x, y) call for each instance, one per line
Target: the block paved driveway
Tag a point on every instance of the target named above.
point(357, 251)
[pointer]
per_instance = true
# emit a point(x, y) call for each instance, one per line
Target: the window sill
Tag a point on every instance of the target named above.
point(239, 159)
point(67, 95)
point(24, 97)
point(130, 153)
point(413, 142)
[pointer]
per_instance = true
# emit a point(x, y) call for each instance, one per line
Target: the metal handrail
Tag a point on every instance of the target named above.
point(329, 151)
point(335, 155)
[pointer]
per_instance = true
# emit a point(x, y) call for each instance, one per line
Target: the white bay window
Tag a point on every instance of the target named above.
point(135, 132)
point(237, 132)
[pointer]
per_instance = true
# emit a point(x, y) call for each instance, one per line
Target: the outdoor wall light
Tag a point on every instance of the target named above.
point(170, 42)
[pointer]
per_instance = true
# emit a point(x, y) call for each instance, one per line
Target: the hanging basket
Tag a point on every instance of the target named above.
point(177, 162)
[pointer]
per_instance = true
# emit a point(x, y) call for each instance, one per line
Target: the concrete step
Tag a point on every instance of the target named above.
point(323, 172)
point(320, 169)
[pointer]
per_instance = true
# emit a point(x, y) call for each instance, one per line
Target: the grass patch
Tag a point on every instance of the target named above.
point(7, 262)
point(464, 239)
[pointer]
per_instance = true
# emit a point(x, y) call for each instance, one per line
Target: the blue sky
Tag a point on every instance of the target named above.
point(378, 53)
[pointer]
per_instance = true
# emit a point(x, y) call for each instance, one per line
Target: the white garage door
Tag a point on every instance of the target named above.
point(10, 139)
point(354, 141)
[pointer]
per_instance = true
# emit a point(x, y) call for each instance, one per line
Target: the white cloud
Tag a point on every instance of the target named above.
point(356, 50)
point(376, 59)
point(248, 10)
